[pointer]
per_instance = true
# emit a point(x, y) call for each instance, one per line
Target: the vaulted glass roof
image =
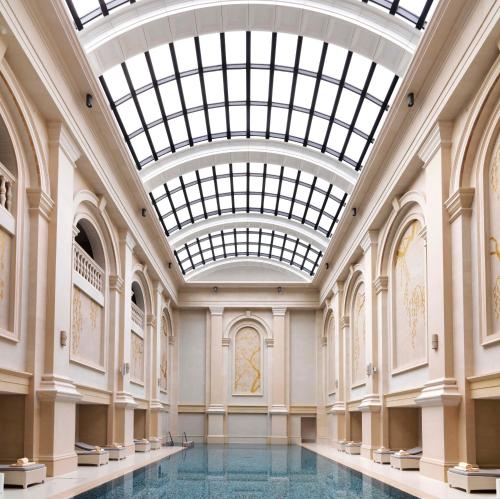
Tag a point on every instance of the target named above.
point(305, 111)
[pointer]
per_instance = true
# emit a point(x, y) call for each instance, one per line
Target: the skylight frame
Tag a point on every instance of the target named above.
point(228, 241)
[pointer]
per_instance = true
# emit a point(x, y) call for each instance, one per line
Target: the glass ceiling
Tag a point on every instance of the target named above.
point(248, 84)
point(86, 11)
point(248, 242)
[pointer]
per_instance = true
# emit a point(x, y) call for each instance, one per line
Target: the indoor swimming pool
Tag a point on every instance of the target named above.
point(244, 471)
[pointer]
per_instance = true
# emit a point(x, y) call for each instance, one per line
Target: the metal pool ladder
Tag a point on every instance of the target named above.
point(185, 442)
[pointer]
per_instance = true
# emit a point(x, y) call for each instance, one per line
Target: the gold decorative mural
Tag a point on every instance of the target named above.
point(164, 354)
point(409, 299)
point(247, 362)
point(136, 358)
point(493, 247)
point(5, 267)
point(86, 330)
point(331, 354)
point(358, 338)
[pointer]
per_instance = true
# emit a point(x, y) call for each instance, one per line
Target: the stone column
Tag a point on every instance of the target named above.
point(440, 396)
point(370, 405)
point(279, 409)
point(338, 409)
point(123, 400)
point(459, 207)
point(57, 393)
point(216, 409)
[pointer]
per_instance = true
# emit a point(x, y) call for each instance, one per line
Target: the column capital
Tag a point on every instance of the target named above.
point(439, 392)
point(226, 341)
point(215, 409)
point(338, 287)
point(381, 283)
point(151, 320)
point(54, 388)
point(116, 283)
point(460, 203)
point(60, 137)
point(324, 341)
point(126, 238)
point(125, 400)
point(269, 342)
point(171, 340)
point(278, 409)
point(344, 321)
point(216, 310)
point(338, 407)
point(370, 403)
point(279, 311)
point(40, 203)
point(369, 240)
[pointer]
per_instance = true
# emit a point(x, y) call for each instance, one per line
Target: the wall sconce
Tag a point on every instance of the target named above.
point(89, 101)
point(215, 289)
point(169, 265)
point(370, 369)
point(144, 212)
point(279, 290)
point(125, 368)
point(354, 212)
point(410, 99)
point(435, 341)
point(63, 338)
point(327, 265)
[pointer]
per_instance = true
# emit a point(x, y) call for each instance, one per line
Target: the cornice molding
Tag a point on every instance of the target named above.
point(460, 203)
point(116, 283)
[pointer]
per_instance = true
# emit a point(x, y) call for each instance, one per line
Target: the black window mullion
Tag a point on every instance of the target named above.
point(231, 181)
point(179, 263)
point(297, 180)
point(335, 218)
point(202, 85)
point(315, 93)
point(235, 242)
point(172, 207)
point(248, 241)
point(279, 190)
point(119, 121)
point(358, 109)
point(323, 206)
point(223, 243)
point(248, 52)
point(188, 204)
point(305, 256)
point(381, 112)
point(181, 92)
point(316, 263)
point(74, 15)
point(202, 197)
point(248, 187)
point(394, 7)
point(155, 206)
point(212, 247)
point(216, 190)
point(271, 244)
point(423, 15)
point(294, 251)
point(271, 83)
point(337, 99)
point(189, 255)
point(283, 247)
point(138, 108)
point(224, 79)
point(200, 250)
point(294, 86)
point(159, 99)
point(104, 7)
point(308, 203)
point(264, 173)
point(260, 241)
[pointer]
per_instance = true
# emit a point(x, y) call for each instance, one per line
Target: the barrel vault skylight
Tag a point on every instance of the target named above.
point(251, 89)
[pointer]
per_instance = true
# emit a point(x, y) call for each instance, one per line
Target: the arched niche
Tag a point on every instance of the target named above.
point(165, 339)
point(329, 337)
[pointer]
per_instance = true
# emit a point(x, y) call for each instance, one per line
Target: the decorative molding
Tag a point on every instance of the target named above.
point(369, 240)
point(216, 409)
point(247, 409)
point(216, 310)
point(60, 137)
point(324, 341)
point(460, 203)
point(171, 340)
point(93, 395)
point(151, 320)
point(40, 202)
point(344, 321)
point(403, 398)
point(381, 283)
point(278, 409)
point(156, 406)
point(439, 136)
point(115, 283)
point(487, 386)
point(226, 342)
point(125, 237)
point(338, 407)
point(55, 388)
point(371, 403)
point(125, 400)
point(338, 287)
point(303, 409)
point(279, 311)
point(440, 392)
point(191, 408)
point(269, 342)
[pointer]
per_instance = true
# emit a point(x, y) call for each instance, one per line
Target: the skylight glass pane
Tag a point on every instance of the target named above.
point(185, 52)
point(210, 49)
point(310, 54)
point(149, 106)
point(326, 97)
point(258, 118)
point(337, 138)
point(159, 137)
point(162, 62)
point(170, 97)
point(138, 71)
point(178, 129)
point(129, 116)
point(141, 146)
point(278, 120)
point(286, 48)
point(334, 61)
point(197, 124)
point(235, 47)
point(238, 118)
point(192, 91)
point(380, 83)
point(84, 7)
point(298, 124)
point(318, 129)
point(259, 86)
point(261, 47)
point(358, 70)
point(367, 116)
point(214, 86)
point(347, 106)
point(217, 117)
point(237, 84)
point(116, 82)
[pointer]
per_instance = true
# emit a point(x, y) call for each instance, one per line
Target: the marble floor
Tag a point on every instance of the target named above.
point(87, 477)
point(411, 482)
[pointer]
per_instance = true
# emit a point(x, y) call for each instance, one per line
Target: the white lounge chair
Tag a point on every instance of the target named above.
point(473, 479)
point(155, 443)
point(353, 448)
point(142, 445)
point(90, 454)
point(407, 460)
point(382, 455)
point(24, 475)
point(341, 445)
point(116, 452)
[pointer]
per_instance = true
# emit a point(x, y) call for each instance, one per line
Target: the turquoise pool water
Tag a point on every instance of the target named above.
point(244, 471)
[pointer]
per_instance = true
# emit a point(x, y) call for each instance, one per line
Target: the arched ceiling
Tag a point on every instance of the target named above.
point(249, 123)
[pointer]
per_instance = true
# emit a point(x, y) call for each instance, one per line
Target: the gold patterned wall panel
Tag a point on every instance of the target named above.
point(331, 355)
point(164, 354)
point(5, 268)
point(87, 341)
point(409, 299)
point(493, 246)
point(358, 372)
point(247, 362)
point(136, 358)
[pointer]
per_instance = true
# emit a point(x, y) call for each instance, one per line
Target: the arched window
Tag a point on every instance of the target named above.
point(89, 296)
point(358, 337)
point(164, 364)
point(408, 290)
point(137, 360)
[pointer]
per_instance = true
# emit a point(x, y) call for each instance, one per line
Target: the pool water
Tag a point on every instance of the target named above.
point(244, 471)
